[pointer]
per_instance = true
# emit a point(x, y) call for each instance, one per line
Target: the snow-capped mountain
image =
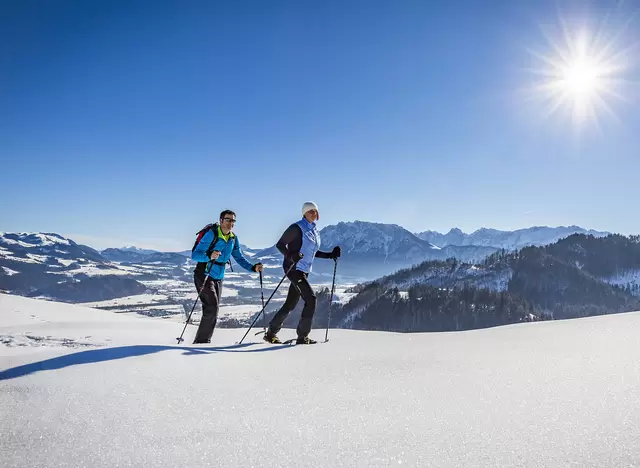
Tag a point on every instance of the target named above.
point(32, 248)
point(454, 237)
point(508, 240)
point(55, 267)
point(388, 242)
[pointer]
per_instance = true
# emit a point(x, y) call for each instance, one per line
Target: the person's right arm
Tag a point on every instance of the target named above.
point(287, 238)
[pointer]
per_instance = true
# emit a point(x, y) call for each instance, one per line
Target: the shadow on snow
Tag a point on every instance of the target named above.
point(121, 352)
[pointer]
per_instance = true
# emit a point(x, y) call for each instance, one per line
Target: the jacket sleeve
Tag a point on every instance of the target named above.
point(287, 238)
point(239, 257)
point(199, 254)
point(321, 254)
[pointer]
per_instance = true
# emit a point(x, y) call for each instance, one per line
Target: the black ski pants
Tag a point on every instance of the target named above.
point(210, 298)
point(299, 287)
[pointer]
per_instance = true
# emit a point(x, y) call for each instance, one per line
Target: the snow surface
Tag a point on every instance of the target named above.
point(85, 387)
point(9, 272)
point(92, 270)
point(239, 312)
point(64, 261)
point(128, 300)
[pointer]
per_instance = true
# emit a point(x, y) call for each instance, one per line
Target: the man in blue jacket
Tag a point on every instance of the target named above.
point(213, 251)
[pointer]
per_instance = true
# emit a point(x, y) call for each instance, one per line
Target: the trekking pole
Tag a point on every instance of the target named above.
point(208, 271)
point(267, 303)
point(333, 288)
point(264, 317)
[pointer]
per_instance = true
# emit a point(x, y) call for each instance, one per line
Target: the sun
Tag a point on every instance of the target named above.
point(581, 74)
point(581, 79)
point(583, 84)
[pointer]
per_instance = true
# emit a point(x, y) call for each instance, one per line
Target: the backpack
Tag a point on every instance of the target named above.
point(200, 234)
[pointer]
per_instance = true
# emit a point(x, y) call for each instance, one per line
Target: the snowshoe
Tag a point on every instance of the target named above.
point(305, 340)
point(273, 339)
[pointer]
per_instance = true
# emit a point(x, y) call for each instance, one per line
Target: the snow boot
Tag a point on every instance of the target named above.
point(273, 339)
point(305, 340)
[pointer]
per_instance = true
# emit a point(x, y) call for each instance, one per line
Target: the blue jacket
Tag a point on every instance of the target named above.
point(310, 245)
point(227, 249)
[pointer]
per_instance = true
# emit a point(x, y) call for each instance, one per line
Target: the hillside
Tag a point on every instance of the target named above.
point(581, 275)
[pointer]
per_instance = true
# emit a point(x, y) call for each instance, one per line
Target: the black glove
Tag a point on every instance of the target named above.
point(253, 268)
point(336, 252)
point(295, 257)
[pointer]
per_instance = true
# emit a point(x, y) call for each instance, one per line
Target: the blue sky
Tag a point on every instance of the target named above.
point(130, 122)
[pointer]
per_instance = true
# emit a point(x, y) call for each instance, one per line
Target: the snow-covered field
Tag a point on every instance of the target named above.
point(86, 387)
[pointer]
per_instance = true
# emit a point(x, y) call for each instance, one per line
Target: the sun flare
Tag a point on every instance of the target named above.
point(581, 74)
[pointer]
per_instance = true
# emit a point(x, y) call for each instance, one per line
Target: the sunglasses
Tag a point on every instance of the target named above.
point(231, 220)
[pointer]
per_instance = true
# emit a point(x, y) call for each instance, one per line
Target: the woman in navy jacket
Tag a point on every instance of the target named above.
point(300, 244)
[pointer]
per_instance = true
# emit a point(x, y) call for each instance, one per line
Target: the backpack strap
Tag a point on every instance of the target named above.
point(214, 228)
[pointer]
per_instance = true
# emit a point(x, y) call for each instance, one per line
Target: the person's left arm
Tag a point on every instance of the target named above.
point(240, 258)
point(335, 253)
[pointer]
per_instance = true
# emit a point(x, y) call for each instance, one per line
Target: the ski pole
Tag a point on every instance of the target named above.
point(267, 303)
point(333, 288)
point(264, 317)
point(208, 271)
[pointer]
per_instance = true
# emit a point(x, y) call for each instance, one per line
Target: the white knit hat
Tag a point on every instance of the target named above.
point(310, 206)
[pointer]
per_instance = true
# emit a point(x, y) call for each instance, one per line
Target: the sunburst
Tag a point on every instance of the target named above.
point(583, 75)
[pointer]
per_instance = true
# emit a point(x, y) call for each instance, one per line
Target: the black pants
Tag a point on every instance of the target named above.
point(210, 299)
point(299, 287)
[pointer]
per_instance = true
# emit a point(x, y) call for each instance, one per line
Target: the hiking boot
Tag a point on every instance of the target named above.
point(273, 339)
point(305, 340)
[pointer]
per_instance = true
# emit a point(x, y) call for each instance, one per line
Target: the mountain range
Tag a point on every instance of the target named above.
point(580, 275)
point(507, 240)
point(371, 250)
point(51, 266)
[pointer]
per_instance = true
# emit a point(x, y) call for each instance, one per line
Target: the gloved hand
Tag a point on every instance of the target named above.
point(336, 252)
point(295, 257)
point(257, 267)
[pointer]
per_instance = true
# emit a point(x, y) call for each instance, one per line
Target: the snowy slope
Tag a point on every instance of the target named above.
point(118, 392)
